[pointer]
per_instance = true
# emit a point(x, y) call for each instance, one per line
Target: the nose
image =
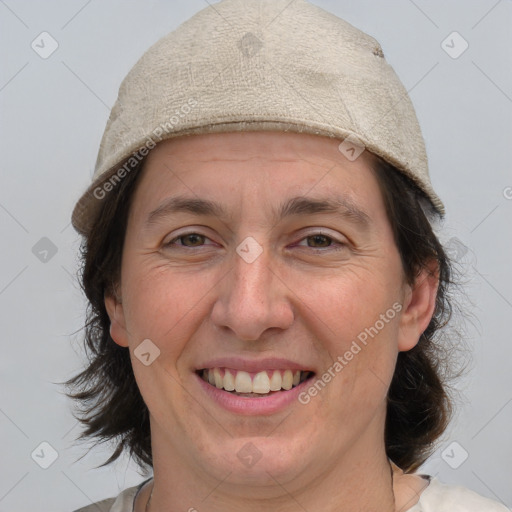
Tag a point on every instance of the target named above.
point(252, 298)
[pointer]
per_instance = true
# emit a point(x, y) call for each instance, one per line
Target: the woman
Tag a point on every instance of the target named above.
point(265, 284)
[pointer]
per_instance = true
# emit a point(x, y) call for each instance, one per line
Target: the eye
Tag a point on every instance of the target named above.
point(320, 241)
point(317, 241)
point(188, 240)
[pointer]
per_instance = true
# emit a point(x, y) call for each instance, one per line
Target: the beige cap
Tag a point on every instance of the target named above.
point(248, 65)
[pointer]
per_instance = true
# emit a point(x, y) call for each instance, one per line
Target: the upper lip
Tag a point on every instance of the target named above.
point(254, 365)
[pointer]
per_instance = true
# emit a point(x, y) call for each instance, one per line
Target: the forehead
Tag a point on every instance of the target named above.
point(271, 166)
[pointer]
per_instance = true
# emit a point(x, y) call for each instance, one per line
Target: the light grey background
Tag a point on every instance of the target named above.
point(53, 112)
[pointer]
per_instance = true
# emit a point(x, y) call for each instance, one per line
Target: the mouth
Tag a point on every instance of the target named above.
point(254, 384)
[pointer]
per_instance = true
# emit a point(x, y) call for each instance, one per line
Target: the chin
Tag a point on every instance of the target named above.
point(258, 461)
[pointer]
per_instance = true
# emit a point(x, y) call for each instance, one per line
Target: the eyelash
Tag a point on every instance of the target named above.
point(172, 243)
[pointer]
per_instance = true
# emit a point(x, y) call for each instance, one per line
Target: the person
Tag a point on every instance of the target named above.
point(266, 287)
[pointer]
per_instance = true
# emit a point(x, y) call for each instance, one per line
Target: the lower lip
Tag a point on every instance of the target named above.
point(253, 406)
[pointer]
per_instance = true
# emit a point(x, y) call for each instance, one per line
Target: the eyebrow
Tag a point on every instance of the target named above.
point(299, 205)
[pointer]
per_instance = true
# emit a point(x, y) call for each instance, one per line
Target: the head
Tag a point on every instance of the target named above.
point(353, 295)
point(243, 226)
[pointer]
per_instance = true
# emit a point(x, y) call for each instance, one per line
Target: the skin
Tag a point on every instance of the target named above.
point(301, 299)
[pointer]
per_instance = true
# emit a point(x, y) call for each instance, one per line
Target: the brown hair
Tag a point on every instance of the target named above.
point(112, 409)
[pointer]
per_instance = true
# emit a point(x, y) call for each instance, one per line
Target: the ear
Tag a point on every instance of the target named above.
point(418, 307)
point(115, 312)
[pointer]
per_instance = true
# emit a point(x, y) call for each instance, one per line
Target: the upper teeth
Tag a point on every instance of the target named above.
point(262, 382)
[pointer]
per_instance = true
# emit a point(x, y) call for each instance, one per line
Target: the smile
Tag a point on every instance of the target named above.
point(252, 384)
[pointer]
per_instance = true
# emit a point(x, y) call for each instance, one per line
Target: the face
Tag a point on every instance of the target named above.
point(266, 259)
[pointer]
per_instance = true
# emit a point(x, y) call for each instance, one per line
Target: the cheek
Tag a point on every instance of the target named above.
point(163, 305)
point(354, 316)
point(349, 301)
point(156, 302)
